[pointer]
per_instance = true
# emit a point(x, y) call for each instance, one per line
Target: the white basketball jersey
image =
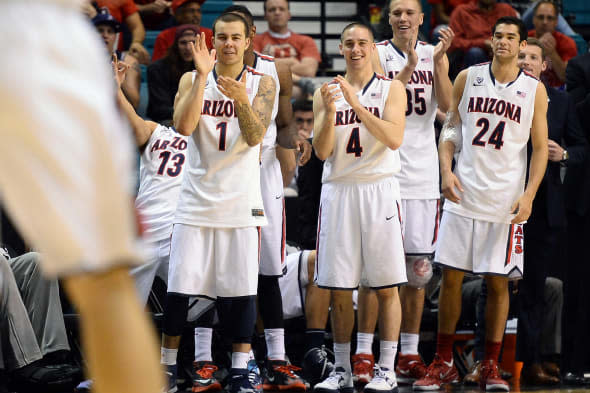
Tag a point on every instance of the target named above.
point(418, 177)
point(496, 123)
point(358, 156)
point(160, 176)
point(221, 188)
point(266, 65)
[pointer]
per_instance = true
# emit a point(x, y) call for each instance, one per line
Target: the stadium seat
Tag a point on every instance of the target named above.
point(211, 10)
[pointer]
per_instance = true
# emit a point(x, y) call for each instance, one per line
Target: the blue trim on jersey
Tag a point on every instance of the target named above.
point(369, 84)
point(398, 50)
point(237, 77)
point(494, 79)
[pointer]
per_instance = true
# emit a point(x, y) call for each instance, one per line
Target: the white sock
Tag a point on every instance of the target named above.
point(239, 359)
point(275, 343)
point(387, 350)
point(342, 356)
point(251, 355)
point(364, 343)
point(203, 344)
point(409, 343)
point(168, 356)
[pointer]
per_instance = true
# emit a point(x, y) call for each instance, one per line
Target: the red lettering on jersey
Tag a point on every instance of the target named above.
point(206, 107)
point(518, 230)
point(155, 146)
point(164, 145)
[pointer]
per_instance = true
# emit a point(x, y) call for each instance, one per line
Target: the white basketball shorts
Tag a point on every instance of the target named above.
point(359, 233)
point(480, 247)
point(214, 262)
point(420, 224)
point(65, 152)
point(294, 284)
point(156, 264)
point(272, 249)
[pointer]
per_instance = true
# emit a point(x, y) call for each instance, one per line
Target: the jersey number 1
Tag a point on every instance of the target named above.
point(354, 143)
point(222, 127)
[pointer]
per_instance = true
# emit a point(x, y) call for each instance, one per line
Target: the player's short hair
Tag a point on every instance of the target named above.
point(242, 10)
point(264, 5)
point(303, 106)
point(416, 1)
point(546, 2)
point(512, 20)
point(232, 17)
point(356, 24)
point(536, 42)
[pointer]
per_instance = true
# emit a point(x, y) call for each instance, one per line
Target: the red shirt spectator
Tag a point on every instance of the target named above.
point(119, 12)
point(295, 45)
point(442, 9)
point(473, 25)
point(186, 12)
point(566, 48)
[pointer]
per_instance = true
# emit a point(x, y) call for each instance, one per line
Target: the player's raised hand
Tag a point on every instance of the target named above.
point(348, 92)
point(330, 93)
point(203, 60)
point(522, 208)
point(449, 185)
point(119, 70)
point(234, 89)
point(446, 38)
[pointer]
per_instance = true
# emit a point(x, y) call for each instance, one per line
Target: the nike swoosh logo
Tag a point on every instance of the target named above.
point(389, 218)
point(279, 197)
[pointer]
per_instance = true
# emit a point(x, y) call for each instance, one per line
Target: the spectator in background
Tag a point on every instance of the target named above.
point(576, 310)
point(296, 50)
point(155, 14)
point(108, 27)
point(562, 25)
point(186, 12)
point(472, 24)
point(164, 74)
point(558, 47)
point(441, 11)
point(125, 11)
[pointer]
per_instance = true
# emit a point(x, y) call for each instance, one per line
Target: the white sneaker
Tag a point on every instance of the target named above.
point(339, 381)
point(383, 381)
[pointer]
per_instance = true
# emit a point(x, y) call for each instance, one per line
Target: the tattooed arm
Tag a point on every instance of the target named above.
point(254, 119)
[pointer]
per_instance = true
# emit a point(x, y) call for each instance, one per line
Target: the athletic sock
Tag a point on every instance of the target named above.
point(492, 350)
point(275, 343)
point(409, 343)
point(364, 343)
point(387, 351)
point(240, 360)
point(203, 338)
point(314, 338)
point(342, 356)
point(168, 356)
point(444, 346)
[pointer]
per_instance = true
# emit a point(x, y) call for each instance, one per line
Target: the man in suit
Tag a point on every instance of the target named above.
point(544, 229)
point(576, 313)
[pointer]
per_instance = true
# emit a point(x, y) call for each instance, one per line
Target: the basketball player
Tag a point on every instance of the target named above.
point(424, 70)
point(66, 180)
point(359, 123)
point(495, 109)
point(215, 240)
point(272, 252)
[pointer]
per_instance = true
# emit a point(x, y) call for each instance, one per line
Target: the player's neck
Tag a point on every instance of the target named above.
point(402, 43)
point(505, 71)
point(358, 79)
point(249, 57)
point(229, 70)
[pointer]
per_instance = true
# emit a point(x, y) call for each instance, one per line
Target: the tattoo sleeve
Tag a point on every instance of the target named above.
point(254, 120)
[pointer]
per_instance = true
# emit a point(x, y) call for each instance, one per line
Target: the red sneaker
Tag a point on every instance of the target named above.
point(409, 368)
point(490, 378)
point(438, 373)
point(204, 378)
point(362, 368)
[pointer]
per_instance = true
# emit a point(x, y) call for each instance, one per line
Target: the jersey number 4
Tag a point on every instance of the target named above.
point(177, 161)
point(497, 137)
point(354, 143)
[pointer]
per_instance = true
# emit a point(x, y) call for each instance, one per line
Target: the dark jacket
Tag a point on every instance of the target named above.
point(577, 180)
point(161, 92)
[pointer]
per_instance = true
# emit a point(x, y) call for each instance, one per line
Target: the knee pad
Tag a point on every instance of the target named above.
point(418, 270)
point(270, 302)
point(175, 313)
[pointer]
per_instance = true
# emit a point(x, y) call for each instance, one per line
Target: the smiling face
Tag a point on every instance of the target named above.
point(230, 41)
point(531, 60)
point(357, 47)
point(405, 17)
point(506, 41)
